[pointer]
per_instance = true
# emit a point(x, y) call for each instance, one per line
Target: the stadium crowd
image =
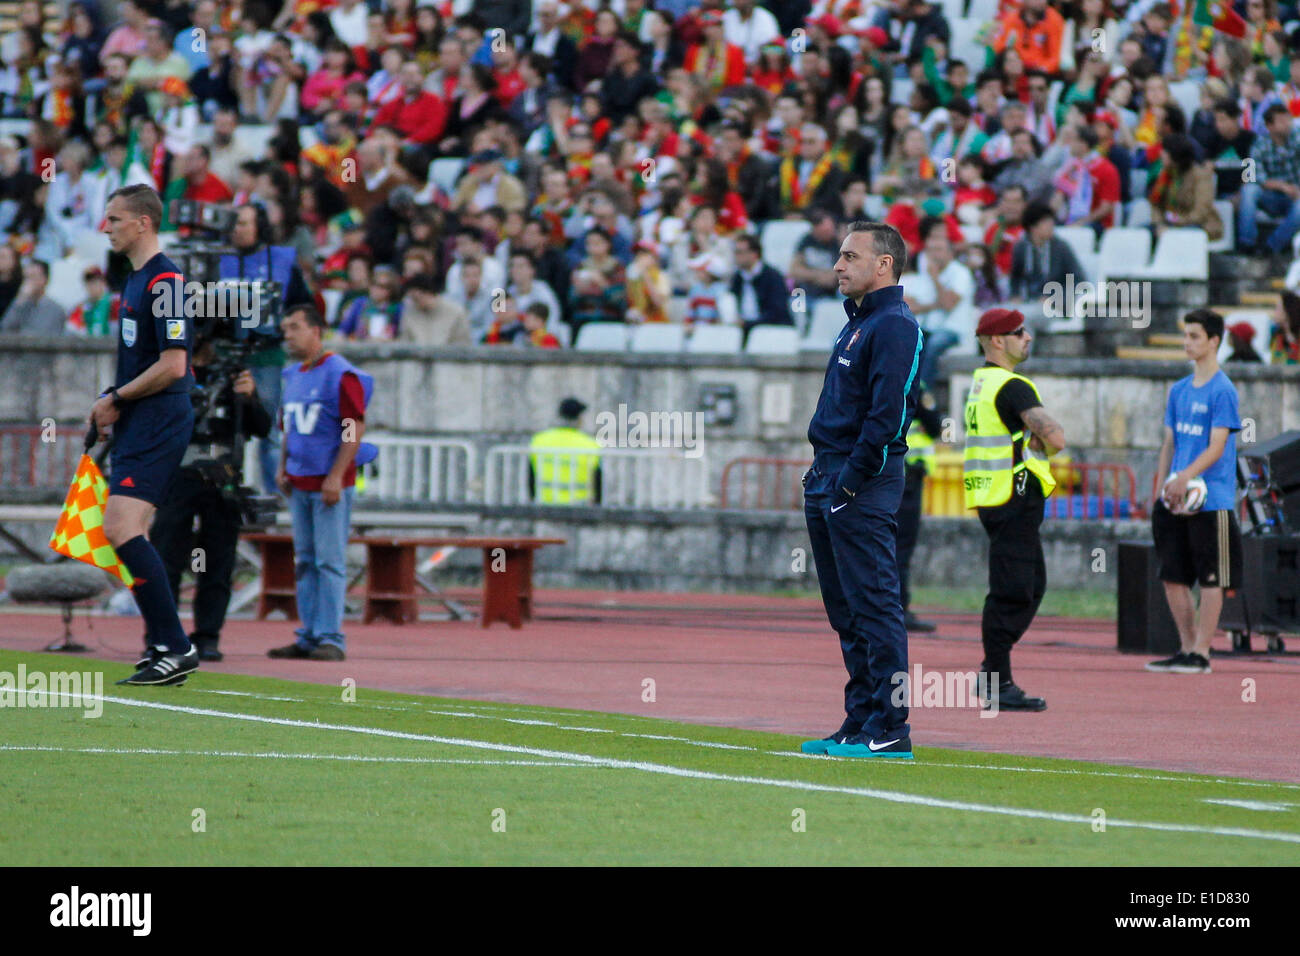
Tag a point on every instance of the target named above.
point(506, 171)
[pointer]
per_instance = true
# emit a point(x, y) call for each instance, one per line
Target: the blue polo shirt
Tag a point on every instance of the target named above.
point(871, 389)
point(1192, 412)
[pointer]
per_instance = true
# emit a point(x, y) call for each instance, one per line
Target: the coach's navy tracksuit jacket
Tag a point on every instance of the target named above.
point(852, 496)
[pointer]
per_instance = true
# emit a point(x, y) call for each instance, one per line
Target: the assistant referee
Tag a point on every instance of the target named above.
point(149, 411)
point(854, 489)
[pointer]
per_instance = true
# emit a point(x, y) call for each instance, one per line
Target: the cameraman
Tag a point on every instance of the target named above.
point(254, 258)
point(193, 495)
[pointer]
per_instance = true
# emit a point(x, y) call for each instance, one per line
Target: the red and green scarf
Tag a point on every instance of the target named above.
point(795, 196)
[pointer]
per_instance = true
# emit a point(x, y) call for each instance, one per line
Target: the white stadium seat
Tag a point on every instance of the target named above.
point(1139, 214)
point(658, 337)
point(332, 299)
point(772, 340)
point(65, 286)
point(443, 173)
point(1228, 216)
point(1122, 251)
point(1187, 94)
point(1180, 254)
point(602, 337)
point(953, 9)
point(874, 207)
point(828, 318)
point(715, 340)
point(964, 46)
point(676, 308)
point(779, 238)
point(1083, 240)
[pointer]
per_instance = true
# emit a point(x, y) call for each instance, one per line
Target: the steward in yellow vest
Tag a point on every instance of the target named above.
point(1009, 437)
point(558, 474)
point(927, 425)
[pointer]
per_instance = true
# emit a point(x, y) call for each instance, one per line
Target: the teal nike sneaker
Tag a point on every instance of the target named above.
point(862, 745)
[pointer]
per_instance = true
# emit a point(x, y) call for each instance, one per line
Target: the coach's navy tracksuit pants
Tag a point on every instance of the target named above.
point(853, 549)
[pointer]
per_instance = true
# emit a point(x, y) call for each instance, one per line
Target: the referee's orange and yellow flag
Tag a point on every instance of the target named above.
point(80, 531)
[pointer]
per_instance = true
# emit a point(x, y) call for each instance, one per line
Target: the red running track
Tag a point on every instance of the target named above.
point(773, 664)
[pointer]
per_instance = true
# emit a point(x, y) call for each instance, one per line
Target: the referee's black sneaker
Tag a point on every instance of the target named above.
point(164, 668)
point(914, 625)
point(1011, 697)
point(1166, 665)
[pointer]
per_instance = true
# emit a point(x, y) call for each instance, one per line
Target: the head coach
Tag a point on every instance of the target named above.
point(152, 419)
point(854, 489)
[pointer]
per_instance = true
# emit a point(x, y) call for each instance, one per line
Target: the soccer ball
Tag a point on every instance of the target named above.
point(1195, 497)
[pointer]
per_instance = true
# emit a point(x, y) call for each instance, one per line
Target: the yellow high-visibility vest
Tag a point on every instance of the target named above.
point(563, 479)
point(920, 448)
point(990, 466)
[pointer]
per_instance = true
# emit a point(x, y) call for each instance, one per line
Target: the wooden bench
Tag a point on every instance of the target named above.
point(391, 592)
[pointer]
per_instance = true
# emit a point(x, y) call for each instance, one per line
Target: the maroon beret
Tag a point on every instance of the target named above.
point(1000, 322)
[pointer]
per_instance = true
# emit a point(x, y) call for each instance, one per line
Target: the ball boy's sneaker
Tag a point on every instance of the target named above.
point(1166, 665)
point(1192, 663)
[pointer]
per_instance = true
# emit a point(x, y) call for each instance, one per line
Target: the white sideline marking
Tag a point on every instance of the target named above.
point(1280, 807)
point(415, 706)
point(903, 763)
point(358, 758)
point(889, 796)
point(592, 730)
point(244, 693)
point(1073, 773)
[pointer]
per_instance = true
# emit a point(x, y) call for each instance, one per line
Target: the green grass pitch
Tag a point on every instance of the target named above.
point(233, 770)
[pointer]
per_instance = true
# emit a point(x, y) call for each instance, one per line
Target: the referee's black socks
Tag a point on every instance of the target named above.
point(153, 594)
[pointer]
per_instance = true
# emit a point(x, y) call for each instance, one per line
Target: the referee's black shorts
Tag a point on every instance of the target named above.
point(1202, 548)
point(149, 441)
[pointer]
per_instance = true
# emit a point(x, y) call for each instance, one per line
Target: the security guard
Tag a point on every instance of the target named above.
point(560, 479)
point(918, 465)
point(1008, 478)
point(854, 488)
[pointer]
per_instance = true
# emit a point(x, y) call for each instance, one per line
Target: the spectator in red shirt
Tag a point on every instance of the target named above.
point(505, 67)
point(200, 182)
point(1087, 188)
point(420, 116)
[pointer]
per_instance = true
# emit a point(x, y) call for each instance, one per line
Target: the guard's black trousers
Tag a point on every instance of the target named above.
point(909, 528)
point(174, 537)
point(1017, 572)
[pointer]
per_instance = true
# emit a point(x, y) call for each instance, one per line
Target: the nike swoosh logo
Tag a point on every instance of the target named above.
point(835, 509)
point(888, 743)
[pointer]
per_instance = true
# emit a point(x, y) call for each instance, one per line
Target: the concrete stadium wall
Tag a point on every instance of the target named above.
point(732, 551)
point(488, 396)
point(1111, 412)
